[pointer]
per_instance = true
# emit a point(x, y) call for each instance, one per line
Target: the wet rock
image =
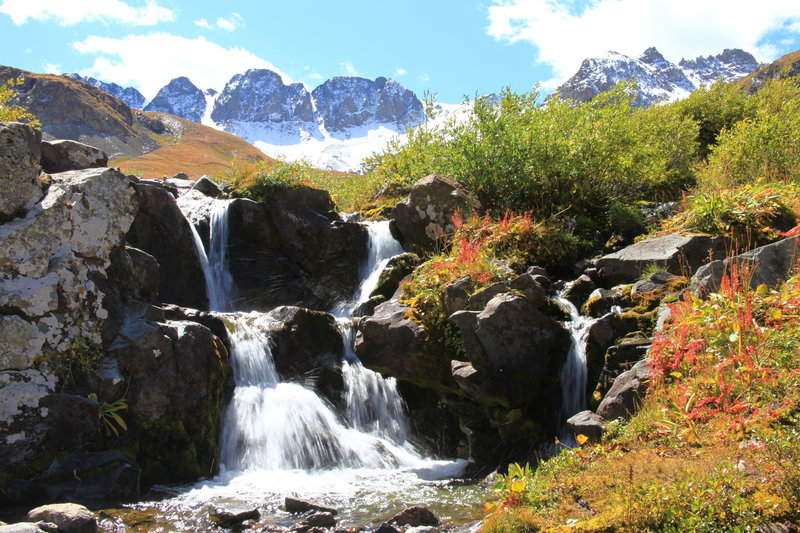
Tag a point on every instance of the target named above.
point(626, 395)
point(601, 301)
point(391, 343)
point(396, 269)
point(425, 216)
point(588, 424)
point(673, 252)
point(618, 359)
point(303, 341)
point(161, 230)
point(21, 527)
point(63, 155)
point(415, 517)
point(208, 187)
point(770, 265)
point(579, 290)
point(19, 169)
point(69, 517)
point(232, 520)
point(385, 528)
point(326, 520)
point(295, 506)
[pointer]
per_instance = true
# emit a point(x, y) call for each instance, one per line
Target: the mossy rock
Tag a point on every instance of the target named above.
point(396, 269)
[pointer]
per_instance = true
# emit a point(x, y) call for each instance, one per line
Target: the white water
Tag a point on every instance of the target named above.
point(281, 438)
point(573, 371)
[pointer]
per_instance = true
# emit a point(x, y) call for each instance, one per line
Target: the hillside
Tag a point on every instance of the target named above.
point(783, 67)
point(191, 148)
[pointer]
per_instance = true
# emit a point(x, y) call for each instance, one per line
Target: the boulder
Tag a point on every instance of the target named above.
point(648, 293)
point(620, 358)
point(319, 520)
point(19, 169)
point(63, 155)
point(69, 517)
point(207, 186)
point(415, 517)
point(21, 527)
point(515, 336)
point(176, 373)
point(456, 294)
point(425, 217)
point(304, 342)
point(390, 343)
point(579, 290)
point(295, 506)
point(51, 262)
point(602, 301)
point(230, 519)
point(393, 273)
point(161, 230)
point(769, 265)
point(626, 395)
point(673, 252)
point(525, 284)
point(588, 424)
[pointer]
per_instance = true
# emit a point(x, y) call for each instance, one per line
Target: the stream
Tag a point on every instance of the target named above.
point(282, 439)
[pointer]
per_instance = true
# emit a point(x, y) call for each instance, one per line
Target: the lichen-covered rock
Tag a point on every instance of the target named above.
point(770, 265)
point(673, 252)
point(393, 273)
point(425, 217)
point(456, 294)
point(601, 301)
point(579, 290)
point(19, 169)
point(63, 155)
point(51, 261)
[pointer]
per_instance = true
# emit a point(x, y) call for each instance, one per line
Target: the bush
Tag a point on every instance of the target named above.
point(553, 157)
point(763, 145)
point(11, 112)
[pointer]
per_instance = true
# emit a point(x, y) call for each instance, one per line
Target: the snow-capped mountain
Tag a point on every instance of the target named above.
point(180, 97)
point(131, 96)
point(657, 78)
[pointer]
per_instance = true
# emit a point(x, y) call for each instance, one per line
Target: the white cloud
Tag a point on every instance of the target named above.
point(233, 21)
point(203, 23)
point(51, 68)
point(348, 68)
point(400, 72)
point(564, 33)
point(68, 13)
point(425, 78)
point(150, 61)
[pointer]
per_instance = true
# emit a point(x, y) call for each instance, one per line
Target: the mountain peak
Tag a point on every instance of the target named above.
point(180, 97)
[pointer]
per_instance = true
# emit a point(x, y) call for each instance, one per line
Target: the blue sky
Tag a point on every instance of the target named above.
point(450, 47)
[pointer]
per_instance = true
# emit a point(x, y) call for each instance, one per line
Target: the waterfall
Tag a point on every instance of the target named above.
point(381, 247)
point(573, 371)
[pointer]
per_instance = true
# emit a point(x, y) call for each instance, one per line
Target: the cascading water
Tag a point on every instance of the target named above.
point(281, 438)
point(573, 371)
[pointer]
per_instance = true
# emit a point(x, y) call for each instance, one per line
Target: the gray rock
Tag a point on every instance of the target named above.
point(579, 290)
point(230, 519)
point(425, 217)
point(601, 301)
point(19, 169)
point(525, 284)
point(295, 506)
point(588, 424)
point(620, 358)
point(21, 527)
point(673, 252)
point(319, 520)
point(69, 517)
point(64, 154)
point(415, 517)
point(770, 265)
point(626, 395)
point(180, 97)
point(396, 269)
point(208, 187)
point(456, 294)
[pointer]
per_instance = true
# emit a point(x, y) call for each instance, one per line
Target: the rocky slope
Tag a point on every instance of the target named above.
point(130, 95)
point(658, 79)
point(180, 97)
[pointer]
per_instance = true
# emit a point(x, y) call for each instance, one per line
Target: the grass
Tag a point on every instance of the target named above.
point(716, 445)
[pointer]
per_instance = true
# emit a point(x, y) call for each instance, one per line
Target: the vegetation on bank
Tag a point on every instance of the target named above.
point(11, 111)
point(716, 445)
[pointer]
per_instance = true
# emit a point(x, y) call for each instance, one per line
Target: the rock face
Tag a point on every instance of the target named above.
point(259, 95)
point(63, 155)
point(69, 517)
point(672, 252)
point(426, 215)
point(657, 78)
point(19, 169)
point(51, 261)
point(626, 395)
point(131, 96)
point(180, 97)
point(347, 102)
point(69, 109)
point(770, 265)
point(161, 230)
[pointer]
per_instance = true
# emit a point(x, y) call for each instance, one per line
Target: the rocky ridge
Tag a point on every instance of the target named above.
point(657, 78)
point(180, 97)
point(130, 95)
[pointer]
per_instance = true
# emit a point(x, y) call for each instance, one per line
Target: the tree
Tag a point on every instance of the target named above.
point(13, 112)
